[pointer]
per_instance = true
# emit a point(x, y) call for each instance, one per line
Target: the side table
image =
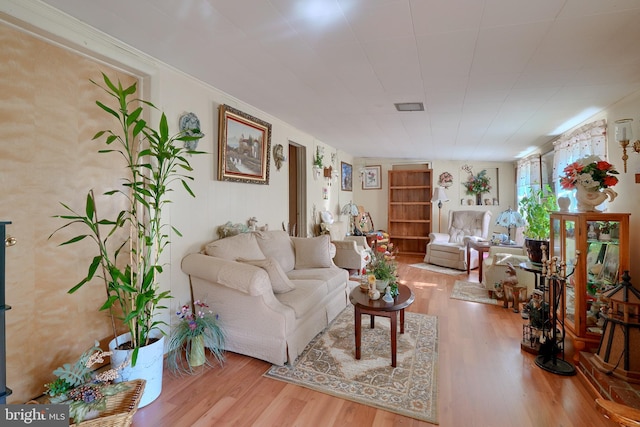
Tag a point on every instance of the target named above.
point(363, 305)
point(482, 248)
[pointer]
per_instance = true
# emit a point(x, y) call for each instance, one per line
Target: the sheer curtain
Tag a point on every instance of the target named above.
point(528, 175)
point(590, 139)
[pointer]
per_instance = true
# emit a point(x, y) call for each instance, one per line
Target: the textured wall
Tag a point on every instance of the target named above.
point(47, 119)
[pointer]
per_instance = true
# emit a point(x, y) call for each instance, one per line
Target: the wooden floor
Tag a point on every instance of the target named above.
point(484, 379)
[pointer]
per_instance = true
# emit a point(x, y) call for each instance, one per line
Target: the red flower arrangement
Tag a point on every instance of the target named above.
point(590, 172)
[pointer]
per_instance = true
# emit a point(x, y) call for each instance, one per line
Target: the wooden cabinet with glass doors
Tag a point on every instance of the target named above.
point(597, 246)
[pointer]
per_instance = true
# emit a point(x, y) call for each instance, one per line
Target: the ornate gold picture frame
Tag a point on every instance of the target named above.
point(244, 147)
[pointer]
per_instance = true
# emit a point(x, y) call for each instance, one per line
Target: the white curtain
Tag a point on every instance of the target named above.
point(590, 139)
point(528, 175)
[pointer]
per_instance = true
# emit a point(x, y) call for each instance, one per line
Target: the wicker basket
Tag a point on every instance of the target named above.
point(120, 409)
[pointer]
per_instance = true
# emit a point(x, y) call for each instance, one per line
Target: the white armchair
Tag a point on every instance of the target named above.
point(352, 253)
point(450, 249)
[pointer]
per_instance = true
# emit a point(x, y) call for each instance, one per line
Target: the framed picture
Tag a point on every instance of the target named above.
point(346, 177)
point(244, 147)
point(609, 272)
point(371, 178)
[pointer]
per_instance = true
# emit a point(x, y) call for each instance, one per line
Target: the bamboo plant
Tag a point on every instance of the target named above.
point(154, 162)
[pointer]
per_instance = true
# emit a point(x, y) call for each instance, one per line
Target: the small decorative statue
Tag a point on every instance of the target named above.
point(510, 283)
point(537, 310)
point(374, 293)
point(252, 223)
point(387, 295)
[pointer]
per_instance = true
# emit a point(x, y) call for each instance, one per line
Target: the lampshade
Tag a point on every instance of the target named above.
point(623, 130)
point(510, 218)
point(439, 195)
point(350, 209)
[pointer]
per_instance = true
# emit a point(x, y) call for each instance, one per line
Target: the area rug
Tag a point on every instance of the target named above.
point(438, 269)
point(328, 365)
point(471, 291)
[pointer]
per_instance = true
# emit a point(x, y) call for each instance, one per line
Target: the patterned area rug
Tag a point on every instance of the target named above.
point(438, 269)
point(328, 365)
point(470, 291)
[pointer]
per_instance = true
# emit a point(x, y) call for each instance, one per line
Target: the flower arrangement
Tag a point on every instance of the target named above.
point(383, 266)
point(591, 172)
point(196, 331)
point(445, 180)
point(84, 390)
point(477, 184)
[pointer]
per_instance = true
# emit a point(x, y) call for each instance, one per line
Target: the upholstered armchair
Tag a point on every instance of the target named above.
point(351, 252)
point(450, 249)
point(494, 267)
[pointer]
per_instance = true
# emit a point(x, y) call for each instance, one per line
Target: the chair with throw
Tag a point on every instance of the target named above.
point(450, 249)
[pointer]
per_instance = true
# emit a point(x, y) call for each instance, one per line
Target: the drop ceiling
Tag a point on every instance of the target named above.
point(497, 77)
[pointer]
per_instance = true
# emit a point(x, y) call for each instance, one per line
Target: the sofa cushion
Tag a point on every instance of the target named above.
point(447, 247)
point(277, 244)
point(305, 297)
point(334, 277)
point(279, 280)
point(243, 245)
point(312, 252)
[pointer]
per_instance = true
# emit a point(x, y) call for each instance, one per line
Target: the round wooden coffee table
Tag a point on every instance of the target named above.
point(363, 305)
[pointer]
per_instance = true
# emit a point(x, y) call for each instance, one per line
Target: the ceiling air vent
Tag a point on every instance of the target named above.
point(409, 106)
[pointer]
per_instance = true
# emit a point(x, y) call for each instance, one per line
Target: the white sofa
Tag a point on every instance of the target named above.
point(272, 292)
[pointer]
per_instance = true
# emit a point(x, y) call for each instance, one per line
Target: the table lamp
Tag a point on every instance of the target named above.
point(439, 196)
point(510, 218)
point(350, 209)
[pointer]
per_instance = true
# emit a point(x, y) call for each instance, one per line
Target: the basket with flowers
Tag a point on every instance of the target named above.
point(91, 393)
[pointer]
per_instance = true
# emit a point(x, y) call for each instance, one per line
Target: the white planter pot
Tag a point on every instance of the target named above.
point(148, 366)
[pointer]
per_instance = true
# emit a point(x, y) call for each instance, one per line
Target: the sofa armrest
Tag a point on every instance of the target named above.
point(439, 238)
point(242, 277)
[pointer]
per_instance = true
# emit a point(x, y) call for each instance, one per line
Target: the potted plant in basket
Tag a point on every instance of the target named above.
point(129, 246)
point(199, 329)
point(535, 208)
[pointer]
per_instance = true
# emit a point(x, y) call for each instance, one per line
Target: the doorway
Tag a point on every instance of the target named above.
point(297, 189)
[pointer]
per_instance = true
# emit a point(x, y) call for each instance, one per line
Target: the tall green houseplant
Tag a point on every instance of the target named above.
point(536, 208)
point(154, 162)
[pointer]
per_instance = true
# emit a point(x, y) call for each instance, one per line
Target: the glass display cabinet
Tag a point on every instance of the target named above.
point(596, 245)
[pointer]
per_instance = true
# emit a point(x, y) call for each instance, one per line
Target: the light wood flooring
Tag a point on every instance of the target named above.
point(484, 379)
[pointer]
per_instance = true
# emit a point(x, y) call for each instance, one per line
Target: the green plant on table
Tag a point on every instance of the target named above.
point(535, 208)
point(129, 265)
point(383, 266)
